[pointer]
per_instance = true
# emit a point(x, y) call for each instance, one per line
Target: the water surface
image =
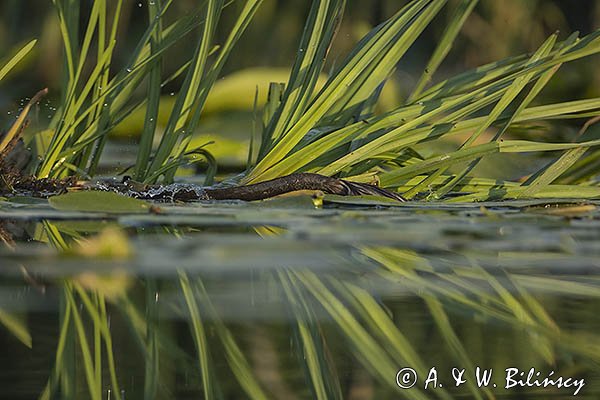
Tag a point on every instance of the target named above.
point(284, 300)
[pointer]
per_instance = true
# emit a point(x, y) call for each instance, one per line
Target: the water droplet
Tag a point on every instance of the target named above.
point(426, 70)
point(151, 119)
point(172, 94)
point(128, 69)
point(140, 5)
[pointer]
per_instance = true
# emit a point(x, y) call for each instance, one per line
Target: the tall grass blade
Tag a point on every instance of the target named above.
point(188, 106)
point(319, 30)
point(368, 65)
point(462, 12)
point(509, 96)
point(474, 152)
point(551, 172)
point(18, 124)
point(153, 102)
point(10, 64)
point(102, 112)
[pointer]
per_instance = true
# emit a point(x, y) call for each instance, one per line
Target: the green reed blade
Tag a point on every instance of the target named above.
point(21, 53)
point(462, 12)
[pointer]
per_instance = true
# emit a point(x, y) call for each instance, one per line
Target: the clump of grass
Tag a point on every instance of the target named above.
point(94, 102)
point(332, 132)
point(345, 139)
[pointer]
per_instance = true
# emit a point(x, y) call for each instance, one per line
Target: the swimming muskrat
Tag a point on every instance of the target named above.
point(190, 192)
point(14, 157)
point(257, 191)
point(13, 181)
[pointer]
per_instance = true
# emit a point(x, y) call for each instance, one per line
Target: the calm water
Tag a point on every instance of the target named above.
point(281, 300)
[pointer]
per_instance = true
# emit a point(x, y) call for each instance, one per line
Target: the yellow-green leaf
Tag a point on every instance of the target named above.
point(95, 201)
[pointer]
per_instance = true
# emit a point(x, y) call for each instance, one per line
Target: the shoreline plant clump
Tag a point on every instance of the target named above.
point(333, 131)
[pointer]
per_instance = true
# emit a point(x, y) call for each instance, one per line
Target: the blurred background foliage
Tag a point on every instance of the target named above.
point(495, 30)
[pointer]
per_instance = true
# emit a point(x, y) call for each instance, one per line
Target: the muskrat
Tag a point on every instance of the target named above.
point(258, 191)
point(14, 157)
point(12, 180)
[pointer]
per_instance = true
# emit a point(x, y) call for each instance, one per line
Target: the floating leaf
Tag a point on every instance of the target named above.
point(95, 201)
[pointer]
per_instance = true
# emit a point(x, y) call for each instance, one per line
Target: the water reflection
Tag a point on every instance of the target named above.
point(331, 305)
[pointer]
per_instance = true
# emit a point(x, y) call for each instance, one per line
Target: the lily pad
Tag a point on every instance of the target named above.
point(96, 201)
point(24, 200)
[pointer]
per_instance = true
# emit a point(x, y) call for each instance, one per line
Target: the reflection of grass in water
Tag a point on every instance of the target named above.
point(520, 310)
point(312, 350)
point(374, 330)
point(195, 296)
point(333, 132)
point(73, 330)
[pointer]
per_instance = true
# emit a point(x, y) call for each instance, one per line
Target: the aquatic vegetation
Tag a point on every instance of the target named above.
point(309, 296)
point(330, 131)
